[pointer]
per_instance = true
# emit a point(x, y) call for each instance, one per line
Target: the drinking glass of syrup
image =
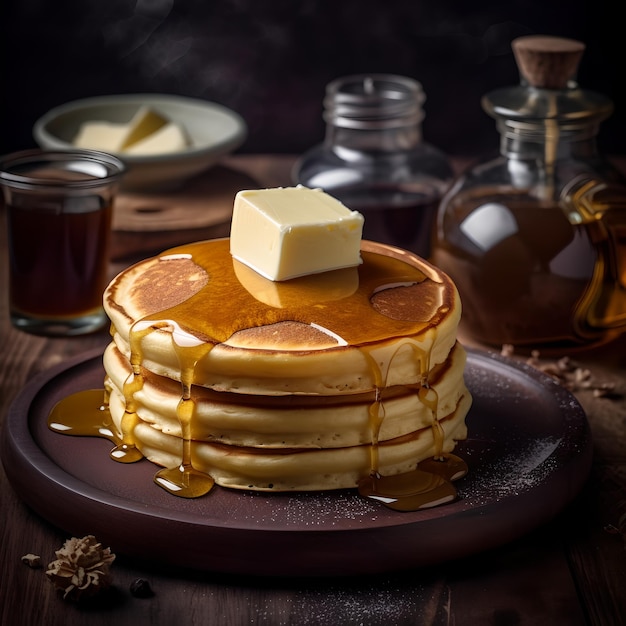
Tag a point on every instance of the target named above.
point(59, 207)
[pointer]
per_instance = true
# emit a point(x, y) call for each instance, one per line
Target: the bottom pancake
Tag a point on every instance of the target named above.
point(294, 469)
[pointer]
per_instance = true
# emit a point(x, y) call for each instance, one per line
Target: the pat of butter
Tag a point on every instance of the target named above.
point(101, 136)
point(285, 233)
point(309, 290)
point(144, 123)
point(148, 132)
point(168, 138)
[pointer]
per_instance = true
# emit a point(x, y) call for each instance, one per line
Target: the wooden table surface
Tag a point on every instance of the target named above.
point(571, 571)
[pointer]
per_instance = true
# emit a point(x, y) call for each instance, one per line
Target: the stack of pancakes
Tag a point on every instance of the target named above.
point(310, 384)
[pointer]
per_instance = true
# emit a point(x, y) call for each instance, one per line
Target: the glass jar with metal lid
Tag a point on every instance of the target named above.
point(374, 159)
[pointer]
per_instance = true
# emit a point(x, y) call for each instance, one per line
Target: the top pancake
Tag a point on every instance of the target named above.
point(197, 315)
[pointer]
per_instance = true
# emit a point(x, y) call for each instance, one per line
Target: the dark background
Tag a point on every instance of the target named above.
point(270, 59)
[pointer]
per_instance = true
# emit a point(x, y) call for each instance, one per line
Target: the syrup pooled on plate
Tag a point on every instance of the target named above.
point(361, 315)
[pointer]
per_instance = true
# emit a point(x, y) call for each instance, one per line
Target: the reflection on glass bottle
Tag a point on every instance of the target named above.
point(373, 159)
point(535, 239)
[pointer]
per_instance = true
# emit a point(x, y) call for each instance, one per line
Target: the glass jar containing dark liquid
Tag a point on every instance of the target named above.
point(59, 207)
point(535, 239)
point(373, 158)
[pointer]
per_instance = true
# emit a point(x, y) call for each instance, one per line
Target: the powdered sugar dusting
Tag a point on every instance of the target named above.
point(513, 472)
point(313, 510)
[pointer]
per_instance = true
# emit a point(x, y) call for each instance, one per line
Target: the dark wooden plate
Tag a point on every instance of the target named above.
point(529, 454)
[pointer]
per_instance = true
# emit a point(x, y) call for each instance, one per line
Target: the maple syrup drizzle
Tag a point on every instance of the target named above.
point(83, 414)
point(376, 419)
point(185, 480)
point(429, 484)
point(126, 451)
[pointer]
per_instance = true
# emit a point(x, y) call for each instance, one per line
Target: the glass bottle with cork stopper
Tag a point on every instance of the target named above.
point(535, 239)
point(374, 160)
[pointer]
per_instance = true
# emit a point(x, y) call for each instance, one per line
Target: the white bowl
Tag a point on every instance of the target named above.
point(214, 130)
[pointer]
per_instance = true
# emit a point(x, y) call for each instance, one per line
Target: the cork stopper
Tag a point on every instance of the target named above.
point(547, 62)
